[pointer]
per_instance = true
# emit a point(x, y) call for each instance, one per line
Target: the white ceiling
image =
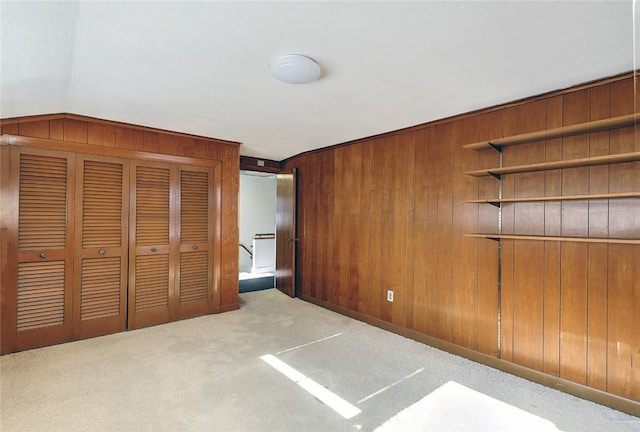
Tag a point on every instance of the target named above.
point(203, 67)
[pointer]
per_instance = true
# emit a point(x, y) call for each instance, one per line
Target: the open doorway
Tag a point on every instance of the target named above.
point(257, 224)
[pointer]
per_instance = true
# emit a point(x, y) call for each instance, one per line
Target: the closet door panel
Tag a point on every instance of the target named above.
point(100, 288)
point(194, 278)
point(151, 258)
point(42, 181)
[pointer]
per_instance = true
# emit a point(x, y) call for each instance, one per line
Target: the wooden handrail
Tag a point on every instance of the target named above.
point(264, 236)
point(247, 249)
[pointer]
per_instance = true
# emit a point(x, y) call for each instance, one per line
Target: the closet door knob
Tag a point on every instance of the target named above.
point(194, 247)
point(153, 249)
point(102, 252)
point(43, 255)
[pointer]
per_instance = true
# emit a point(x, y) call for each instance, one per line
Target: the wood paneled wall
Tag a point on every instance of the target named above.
point(73, 129)
point(389, 213)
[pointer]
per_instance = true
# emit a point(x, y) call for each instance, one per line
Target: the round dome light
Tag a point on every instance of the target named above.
point(295, 69)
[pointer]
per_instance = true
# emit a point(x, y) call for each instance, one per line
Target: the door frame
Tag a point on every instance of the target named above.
point(286, 231)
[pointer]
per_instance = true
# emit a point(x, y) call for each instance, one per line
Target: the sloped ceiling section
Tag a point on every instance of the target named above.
point(203, 67)
point(37, 54)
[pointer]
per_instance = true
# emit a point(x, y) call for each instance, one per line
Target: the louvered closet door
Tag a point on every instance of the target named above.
point(101, 237)
point(195, 277)
point(151, 255)
point(42, 180)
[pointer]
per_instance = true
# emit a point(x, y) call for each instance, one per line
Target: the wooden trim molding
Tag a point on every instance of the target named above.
point(59, 116)
point(6, 140)
point(261, 165)
point(581, 391)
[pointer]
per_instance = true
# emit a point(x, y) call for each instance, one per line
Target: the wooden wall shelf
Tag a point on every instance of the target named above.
point(564, 131)
point(570, 163)
point(613, 195)
point(554, 238)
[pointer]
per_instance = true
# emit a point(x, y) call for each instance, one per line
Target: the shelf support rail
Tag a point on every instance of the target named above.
point(499, 276)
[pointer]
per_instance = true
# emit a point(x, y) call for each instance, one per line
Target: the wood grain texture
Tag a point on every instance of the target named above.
point(101, 134)
point(556, 301)
point(152, 253)
point(598, 254)
point(101, 246)
point(464, 324)
point(395, 216)
point(623, 345)
point(432, 231)
point(418, 302)
point(75, 131)
point(444, 269)
point(552, 225)
point(364, 245)
point(507, 255)
point(490, 126)
point(623, 296)
point(574, 256)
point(12, 129)
point(36, 129)
point(71, 133)
point(351, 245)
point(528, 256)
point(306, 191)
point(286, 238)
point(197, 273)
point(377, 237)
point(42, 182)
point(386, 151)
point(341, 264)
point(301, 215)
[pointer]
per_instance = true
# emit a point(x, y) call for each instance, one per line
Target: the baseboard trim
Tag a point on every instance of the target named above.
point(603, 398)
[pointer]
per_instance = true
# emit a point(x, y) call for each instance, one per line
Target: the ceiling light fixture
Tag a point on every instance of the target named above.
point(295, 69)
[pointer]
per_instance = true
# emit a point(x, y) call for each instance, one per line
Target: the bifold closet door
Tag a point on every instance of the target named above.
point(37, 284)
point(152, 247)
point(194, 277)
point(101, 236)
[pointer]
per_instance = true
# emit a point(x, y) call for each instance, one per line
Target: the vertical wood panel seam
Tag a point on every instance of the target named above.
point(451, 215)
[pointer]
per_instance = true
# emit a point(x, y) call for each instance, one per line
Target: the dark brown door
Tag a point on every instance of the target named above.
point(194, 278)
point(100, 285)
point(41, 235)
point(286, 233)
point(151, 253)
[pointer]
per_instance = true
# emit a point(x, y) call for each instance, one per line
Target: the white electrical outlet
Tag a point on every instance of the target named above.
point(390, 296)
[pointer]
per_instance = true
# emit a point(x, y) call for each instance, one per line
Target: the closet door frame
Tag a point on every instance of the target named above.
point(112, 324)
point(12, 340)
point(9, 223)
point(212, 304)
point(8, 254)
point(171, 249)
